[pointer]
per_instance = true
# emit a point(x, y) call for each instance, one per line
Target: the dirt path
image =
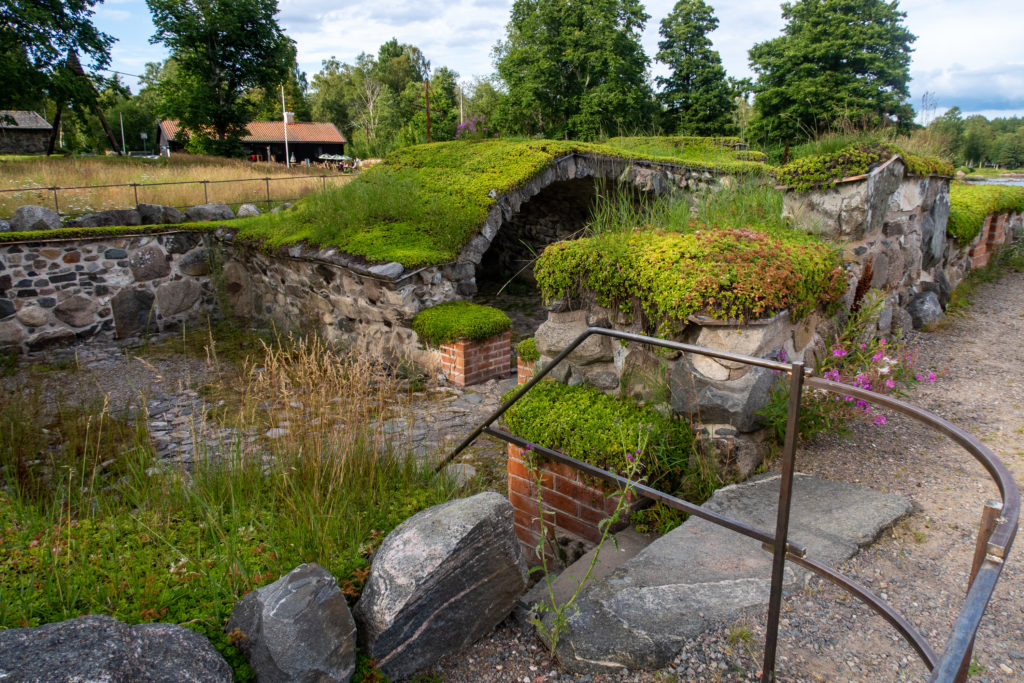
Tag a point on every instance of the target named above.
point(921, 567)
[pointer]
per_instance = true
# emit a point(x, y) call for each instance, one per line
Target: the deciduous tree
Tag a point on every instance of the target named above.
point(222, 48)
point(574, 69)
point(696, 95)
point(836, 60)
point(35, 39)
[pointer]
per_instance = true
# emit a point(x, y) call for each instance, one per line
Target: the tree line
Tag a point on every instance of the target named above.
point(573, 70)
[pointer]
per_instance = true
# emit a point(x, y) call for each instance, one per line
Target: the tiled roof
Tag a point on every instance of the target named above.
point(23, 120)
point(272, 131)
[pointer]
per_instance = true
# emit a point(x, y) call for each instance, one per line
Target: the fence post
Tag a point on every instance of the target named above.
point(206, 197)
point(989, 520)
point(56, 205)
point(135, 189)
point(266, 180)
point(323, 182)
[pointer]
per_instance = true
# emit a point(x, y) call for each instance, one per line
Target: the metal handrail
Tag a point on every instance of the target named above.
point(995, 538)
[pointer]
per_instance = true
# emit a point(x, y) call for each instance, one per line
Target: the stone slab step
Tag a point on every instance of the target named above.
point(627, 544)
point(701, 576)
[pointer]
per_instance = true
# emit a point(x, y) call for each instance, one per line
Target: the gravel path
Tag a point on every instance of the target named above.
point(921, 567)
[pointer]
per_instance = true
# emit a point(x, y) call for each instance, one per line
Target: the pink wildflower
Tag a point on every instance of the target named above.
point(838, 353)
point(880, 420)
point(891, 384)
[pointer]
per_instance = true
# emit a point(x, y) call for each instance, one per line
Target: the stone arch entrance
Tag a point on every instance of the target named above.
point(555, 206)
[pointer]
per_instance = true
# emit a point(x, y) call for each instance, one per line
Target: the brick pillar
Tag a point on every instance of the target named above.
point(468, 362)
point(572, 503)
point(524, 370)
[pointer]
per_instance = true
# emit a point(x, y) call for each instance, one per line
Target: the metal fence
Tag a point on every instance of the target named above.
point(261, 194)
point(996, 532)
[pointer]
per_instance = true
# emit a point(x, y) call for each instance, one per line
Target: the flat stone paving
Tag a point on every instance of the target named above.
point(701, 575)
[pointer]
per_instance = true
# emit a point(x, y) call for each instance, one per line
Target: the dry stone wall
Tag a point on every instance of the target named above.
point(60, 291)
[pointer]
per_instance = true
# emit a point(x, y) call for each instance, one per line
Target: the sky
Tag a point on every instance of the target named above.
point(969, 53)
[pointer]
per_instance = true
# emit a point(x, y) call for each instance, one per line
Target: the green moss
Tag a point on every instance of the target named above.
point(425, 203)
point(969, 204)
point(526, 350)
point(456, 320)
point(825, 170)
point(668, 276)
point(591, 426)
point(108, 231)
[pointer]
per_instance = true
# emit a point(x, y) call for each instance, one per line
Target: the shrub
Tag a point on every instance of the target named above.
point(526, 350)
point(969, 204)
point(668, 276)
point(599, 429)
point(456, 320)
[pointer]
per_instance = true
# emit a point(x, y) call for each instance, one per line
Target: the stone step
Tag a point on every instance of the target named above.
point(701, 576)
point(626, 545)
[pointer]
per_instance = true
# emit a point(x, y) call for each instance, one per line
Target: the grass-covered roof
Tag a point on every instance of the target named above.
point(426, 202)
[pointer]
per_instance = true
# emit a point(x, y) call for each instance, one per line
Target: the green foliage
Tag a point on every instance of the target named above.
point(591, 426)
point(668, 276)
point(726, 154)
point(221, 48)
point(526, 350)
point(90, 523)
point(574, 70)
point(855, 357)
point(657, 519)
point(969, 204)
point(696, 95)
point(35, 37)
point(426, 202)
point(85, 233)
point(456, 320)
point(836, 60)
point(824, 171)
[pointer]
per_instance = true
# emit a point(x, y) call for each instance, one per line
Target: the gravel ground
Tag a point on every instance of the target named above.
point(920, 567)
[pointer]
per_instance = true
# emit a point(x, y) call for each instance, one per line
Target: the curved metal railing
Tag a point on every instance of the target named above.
point(995, 536)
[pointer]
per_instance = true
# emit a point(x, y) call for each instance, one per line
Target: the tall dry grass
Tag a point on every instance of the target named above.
point(30, 177)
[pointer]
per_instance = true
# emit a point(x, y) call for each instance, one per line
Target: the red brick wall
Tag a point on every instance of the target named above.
point(524, 370)
point(468, 362)
point(571, 503)
point(993, 234)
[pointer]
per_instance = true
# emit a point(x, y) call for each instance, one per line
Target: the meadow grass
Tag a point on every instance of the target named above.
point(27, 174)
point(90, 523)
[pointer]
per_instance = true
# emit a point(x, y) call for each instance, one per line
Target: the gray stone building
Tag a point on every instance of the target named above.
point(23, 132)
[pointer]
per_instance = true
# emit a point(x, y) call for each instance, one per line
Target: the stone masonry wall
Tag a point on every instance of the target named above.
point(56, 292)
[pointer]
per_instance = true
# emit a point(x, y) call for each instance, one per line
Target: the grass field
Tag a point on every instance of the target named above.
point(24, 180)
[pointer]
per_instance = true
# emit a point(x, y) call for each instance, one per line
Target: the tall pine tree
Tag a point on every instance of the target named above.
point(696, 96)
point(836, 61)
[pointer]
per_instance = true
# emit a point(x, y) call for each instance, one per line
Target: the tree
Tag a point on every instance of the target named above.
point(697, 97)
point(222, 48)
point(36, 37)
point(574, 69)
point(836, 60)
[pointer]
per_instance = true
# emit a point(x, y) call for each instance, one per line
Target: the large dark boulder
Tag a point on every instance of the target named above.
point(35, 218)
point(99, 648)
point(296, 629)
point(925, 310)
point(210, 212)
point(441, 580)
point(156, 214)
point(133, 312)
point(112, 217)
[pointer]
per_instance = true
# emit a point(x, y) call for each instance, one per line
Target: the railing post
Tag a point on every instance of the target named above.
point(266, 181)
point(989, 518)
point(56, 205)
point(206, 197)
point(796, 384)
point(135, 188)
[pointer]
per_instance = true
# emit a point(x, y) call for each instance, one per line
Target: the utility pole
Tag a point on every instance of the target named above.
point(426, 100)
point(123, 146)
point(284, 121)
